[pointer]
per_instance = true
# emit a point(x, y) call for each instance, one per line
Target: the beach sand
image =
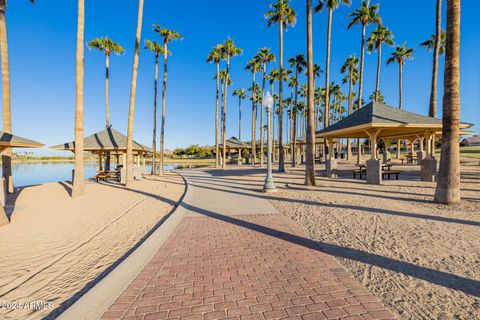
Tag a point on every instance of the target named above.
point(421, 259)
point(56, 245)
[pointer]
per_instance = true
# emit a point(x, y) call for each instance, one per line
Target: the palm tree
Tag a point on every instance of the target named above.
point(215, 56)
point(229, 50)
point(298, 63)
point(157, 49)
point(264, 56)
point(167, 35)
point(400, 55)
point(310, 139)
point(241, 96)
point(285, 16)
point(331, 5)
point(437, 46)
point(364, 15)
point(78, 183)
point(377, 96)
point(107, 46)
point(133, 90)
point(377, 38)
point(293, 84)
point(448, 185)
point(350, 67)
point(6, 106)
point(254, 66)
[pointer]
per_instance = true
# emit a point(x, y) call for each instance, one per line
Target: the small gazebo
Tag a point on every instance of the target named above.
point(107, 141)
point(377, 121)
point(8, 140)
point(236, 145)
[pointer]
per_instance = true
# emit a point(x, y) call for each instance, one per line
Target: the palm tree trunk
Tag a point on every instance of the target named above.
point(281, 161)
point(78, 184)
point(224, 124)
point(448, 185)
point(107, 121)
point(254, 123)
point(327, 69)
point(7, 124)
point(154, 142)
point(350, 109)
point(217, 96)
point(294, 127)
point(164, 107)
point(310, 139)
point(133, 90)
point(379, 62)
point(107, 76)
point(400, 86)
point(432, 110)
point(360, 84)
point(239, 118)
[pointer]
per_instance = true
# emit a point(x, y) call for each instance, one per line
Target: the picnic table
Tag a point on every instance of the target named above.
point(386, 170)
point(411, 159)
point(104, 175)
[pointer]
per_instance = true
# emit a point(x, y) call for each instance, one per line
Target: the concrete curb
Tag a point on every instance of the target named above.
point(101, 296)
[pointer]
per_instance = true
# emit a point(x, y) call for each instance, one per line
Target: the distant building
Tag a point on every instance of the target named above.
point(472, 141)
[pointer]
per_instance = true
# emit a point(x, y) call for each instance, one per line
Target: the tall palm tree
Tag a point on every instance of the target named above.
point(310, 139)
point(78, 183)
point(229, 51)
point(400, 55)
point(448, 185)
point(6, 106)
point(254, 65)
point(438, 44)
point(365, 15)
point(107, 46)
point(167, 35)
point(331, 5)
point(350, 68)
point(264, 56)
point(241, 96)
point(133, 90)
point(216, 56)
point(283, 15)
point(293, 84)
point(298, 63)
point(378, 37)
point(157, 49)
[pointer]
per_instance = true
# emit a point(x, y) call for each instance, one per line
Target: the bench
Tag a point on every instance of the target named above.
point(101, 177)
point(391, 172)
point(360, 172)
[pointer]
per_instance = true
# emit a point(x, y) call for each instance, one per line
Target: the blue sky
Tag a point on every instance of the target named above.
point(42, 57)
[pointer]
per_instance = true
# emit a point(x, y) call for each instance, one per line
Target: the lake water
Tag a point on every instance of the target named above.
point(26, 174)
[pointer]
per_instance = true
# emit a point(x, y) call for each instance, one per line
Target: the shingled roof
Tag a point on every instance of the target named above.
point(234, 143)
point(394, 121)
point(105, 140)
point(12, 141)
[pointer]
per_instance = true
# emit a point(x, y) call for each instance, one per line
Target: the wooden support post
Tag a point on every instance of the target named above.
point(100, 155)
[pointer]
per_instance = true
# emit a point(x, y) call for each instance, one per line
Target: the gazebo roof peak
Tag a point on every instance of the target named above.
point(108, 139)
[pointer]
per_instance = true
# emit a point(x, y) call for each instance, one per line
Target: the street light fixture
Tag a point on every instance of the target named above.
point(269, 185)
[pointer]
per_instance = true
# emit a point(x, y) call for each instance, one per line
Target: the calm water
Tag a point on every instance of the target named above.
point(26, 174)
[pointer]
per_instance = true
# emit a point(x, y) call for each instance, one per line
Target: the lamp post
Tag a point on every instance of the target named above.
point(267, 103)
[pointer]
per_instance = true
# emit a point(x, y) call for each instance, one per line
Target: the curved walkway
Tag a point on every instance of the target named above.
point(235, 256)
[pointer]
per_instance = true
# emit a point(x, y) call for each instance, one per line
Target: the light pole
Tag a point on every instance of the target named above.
point(267, 103)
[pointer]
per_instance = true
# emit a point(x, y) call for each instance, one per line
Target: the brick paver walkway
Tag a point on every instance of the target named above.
point(222, 264)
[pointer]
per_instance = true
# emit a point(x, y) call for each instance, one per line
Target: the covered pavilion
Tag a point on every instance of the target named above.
point(236, 145)
point(108, 141)
point(376, 121)
point(8, 140)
